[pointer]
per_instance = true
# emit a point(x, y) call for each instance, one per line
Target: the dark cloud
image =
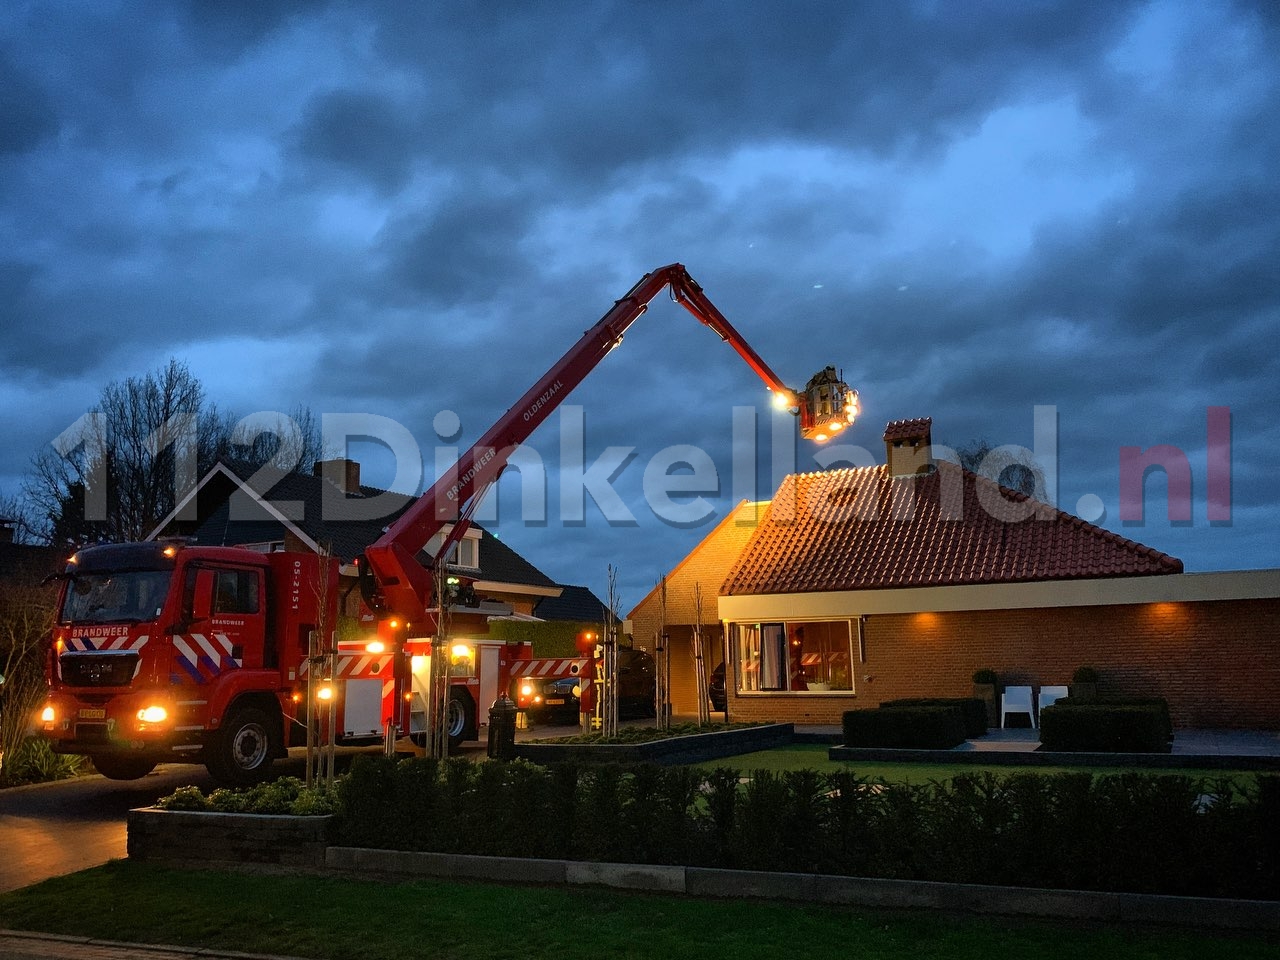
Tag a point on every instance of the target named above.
point(399, 209)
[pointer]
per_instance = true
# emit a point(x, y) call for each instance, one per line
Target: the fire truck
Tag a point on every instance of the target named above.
point(182, 652)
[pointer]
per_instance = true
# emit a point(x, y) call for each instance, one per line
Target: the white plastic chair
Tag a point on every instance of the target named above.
point(1050, 695)
point(1016, 700)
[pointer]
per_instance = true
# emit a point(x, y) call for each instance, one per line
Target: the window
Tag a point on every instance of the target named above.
point(465, 553)
point(234, 591)
point(797, 656)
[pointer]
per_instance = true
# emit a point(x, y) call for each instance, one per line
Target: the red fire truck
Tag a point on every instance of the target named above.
point(165, 651)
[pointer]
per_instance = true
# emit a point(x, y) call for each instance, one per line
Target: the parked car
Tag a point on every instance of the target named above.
point(716, 689)
point(557, 700)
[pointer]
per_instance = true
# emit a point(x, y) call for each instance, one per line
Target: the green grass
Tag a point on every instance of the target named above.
point(338, 918)
point(813, 756)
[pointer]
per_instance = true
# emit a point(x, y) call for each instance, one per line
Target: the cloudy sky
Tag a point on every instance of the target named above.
point(397, 209)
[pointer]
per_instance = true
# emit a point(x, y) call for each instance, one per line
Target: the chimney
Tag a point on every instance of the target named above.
point(342, 473)
point(909, 447)
point(7, 528)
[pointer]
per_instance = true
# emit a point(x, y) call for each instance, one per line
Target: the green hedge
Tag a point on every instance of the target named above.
point(1114, 727)
point(1148, 833)
point(972, 709)
point(937, 727)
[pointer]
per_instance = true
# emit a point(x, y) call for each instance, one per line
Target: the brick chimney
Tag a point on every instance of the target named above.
point(909, 447)
point(7, 529)
point(342, 473)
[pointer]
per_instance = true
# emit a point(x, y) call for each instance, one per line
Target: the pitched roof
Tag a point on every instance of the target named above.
point(575, 604)
point(230, 513)
point(860, 529)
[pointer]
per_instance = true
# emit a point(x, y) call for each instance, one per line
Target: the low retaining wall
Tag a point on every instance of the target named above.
point(1197, 912)
point(693, 748)
point(226, 838)
point(199, 839)
point(1044, 758)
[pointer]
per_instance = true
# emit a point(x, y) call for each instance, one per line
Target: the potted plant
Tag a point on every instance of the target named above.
point(1084, 683)
point(985, 687)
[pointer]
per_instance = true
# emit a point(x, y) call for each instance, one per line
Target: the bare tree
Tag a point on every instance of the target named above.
point(26, 613)
point(125, 464)
point(1004, 466)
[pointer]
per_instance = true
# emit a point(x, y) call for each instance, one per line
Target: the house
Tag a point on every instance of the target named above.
point(875, 583)
point(331, 510)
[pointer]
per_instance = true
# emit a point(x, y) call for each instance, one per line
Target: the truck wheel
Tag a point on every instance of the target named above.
point(123, 768)
point(242, 751)
point(461, 718)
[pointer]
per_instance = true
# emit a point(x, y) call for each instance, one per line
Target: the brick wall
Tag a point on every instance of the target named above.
point(1216, 662)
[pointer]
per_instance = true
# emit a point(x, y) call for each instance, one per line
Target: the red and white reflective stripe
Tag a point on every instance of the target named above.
point(122, 642)
point(547, 667)
point(356, 666)
point(196, 645)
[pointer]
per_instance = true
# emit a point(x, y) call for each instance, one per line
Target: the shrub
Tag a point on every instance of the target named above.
point(908, 728)
point(973, 709)
point(35, 762)
point(986, 675)
point(1085, 675)
point(1124, 832)
point(1105, 727)
point(287, 795)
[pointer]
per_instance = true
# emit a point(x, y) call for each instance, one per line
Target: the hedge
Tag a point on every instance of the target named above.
point(972, 709)
point(1120, 727)
point(1148, 833)
point(905, 728)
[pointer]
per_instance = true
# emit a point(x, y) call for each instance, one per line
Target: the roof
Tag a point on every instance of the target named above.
point(908, 429)
point(860, 529)
point(575, 604)
point(707, 565)
point(229, 513)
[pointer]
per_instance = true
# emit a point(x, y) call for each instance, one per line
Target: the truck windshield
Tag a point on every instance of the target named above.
point(114, 597)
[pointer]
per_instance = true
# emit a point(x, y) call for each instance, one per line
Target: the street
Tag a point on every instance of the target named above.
point(55, 828)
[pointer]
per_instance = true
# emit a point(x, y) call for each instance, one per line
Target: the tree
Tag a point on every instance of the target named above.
point(1004, 466)
point(26, 612)
point(123, 466)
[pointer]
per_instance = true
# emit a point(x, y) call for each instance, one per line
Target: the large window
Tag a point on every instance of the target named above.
point(812, 656)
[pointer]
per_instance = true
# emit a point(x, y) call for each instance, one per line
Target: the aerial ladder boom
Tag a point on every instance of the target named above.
point(395, 581)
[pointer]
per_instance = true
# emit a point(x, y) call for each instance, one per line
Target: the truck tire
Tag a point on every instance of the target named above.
point(461, 719)
point(242, 750)
point(116, 767)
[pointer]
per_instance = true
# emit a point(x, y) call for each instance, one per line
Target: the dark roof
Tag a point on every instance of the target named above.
point(323, 515)
point(860, 529)
point(500, 564)
point(577, 604)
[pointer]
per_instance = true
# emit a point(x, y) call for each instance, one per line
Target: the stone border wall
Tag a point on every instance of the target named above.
point(226, 838)
point(694, 748)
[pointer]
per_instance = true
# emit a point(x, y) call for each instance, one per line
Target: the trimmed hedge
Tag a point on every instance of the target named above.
point(972, 709)
point(937, 727)
point(1134, 832)
point(1115, 727)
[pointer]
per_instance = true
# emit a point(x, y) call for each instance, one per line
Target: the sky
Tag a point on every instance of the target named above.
point(1052, 225)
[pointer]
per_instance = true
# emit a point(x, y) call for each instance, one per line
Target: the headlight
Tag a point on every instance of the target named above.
point(48, 715)
point(526, 689)
point(153, 714)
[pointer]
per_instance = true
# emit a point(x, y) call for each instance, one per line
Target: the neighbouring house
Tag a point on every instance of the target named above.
point(331, 510)
point(875, 583)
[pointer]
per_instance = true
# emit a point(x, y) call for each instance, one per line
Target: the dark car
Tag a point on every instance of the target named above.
point(557, 700)
point(716, 690)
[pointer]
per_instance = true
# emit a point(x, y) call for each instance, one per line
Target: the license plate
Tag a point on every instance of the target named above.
point(92, 713)
point(554, 702)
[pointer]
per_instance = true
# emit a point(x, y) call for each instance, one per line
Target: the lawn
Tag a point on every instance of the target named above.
point(813, 756)
point(340, 918)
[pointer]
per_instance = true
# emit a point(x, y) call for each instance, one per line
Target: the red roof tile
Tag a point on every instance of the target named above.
point(859, 529)
point(908, 429)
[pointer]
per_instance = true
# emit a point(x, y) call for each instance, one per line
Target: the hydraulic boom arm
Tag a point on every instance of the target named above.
point(403, 586)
